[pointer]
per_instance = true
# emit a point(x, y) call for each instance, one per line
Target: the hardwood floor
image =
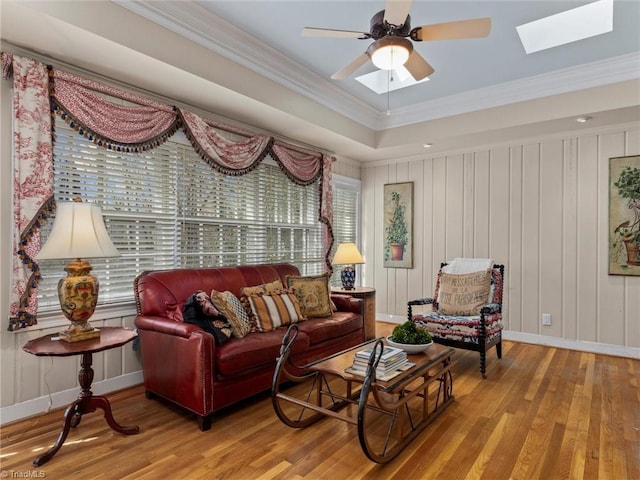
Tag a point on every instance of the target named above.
point(542, 413)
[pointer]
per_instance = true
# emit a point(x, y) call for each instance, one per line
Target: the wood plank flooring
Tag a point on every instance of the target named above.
point(542, 413)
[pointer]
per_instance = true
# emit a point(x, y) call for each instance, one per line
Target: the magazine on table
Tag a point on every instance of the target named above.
point(382, 376)
point(389, 354)
point(384, 368)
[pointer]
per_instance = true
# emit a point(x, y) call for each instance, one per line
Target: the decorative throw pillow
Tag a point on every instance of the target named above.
point(199, 305)
point(313, 294)
point(229, 305)
point(463, 294)
point(274, 309)
point(199, 310)
point(265, 287)
point(220, 329)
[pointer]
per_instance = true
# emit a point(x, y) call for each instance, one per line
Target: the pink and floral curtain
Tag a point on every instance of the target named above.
point(32, 183)
point(139, 125)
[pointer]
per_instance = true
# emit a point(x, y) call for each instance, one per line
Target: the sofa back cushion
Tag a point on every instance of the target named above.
point(156, 289)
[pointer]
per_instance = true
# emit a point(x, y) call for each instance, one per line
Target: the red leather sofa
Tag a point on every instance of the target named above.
point(181, 361)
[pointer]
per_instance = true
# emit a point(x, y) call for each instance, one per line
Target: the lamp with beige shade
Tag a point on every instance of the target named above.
point(78, 232)
point(348, 254)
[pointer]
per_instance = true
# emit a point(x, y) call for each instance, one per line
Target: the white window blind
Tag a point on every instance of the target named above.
point(166, 208)
point(346, 216)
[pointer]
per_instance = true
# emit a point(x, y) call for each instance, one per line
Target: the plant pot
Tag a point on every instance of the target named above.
point(633, 253)
point(397, 251)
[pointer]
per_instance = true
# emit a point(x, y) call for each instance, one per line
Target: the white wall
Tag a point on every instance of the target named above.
point(538, 206)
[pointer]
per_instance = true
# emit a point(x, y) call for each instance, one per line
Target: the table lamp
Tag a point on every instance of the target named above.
point(78, 232)
point(347, 254)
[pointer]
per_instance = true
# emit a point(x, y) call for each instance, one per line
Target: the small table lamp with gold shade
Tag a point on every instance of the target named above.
point(78, 232)
point(347, 254)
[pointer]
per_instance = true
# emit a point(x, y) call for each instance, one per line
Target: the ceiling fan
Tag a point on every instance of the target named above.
point(391, 30)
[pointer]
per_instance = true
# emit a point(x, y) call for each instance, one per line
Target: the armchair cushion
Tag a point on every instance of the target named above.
point(463, 294)
point(462, 328)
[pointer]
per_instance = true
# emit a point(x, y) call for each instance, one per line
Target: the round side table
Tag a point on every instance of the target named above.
point(110, 337)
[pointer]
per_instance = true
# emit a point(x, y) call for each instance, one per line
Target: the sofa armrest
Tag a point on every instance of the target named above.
point(165, 325)
point(178, 362)
point(347, 303)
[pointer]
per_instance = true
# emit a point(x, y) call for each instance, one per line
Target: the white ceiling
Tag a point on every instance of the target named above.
point(482, 91)
point(271, 27)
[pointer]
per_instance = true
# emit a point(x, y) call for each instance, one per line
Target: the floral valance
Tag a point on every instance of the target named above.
point(144, 125)
point(131, 123)
point(301, 165)
point(231, 157)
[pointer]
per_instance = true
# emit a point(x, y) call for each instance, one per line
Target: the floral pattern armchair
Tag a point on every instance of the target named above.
point(478, 332)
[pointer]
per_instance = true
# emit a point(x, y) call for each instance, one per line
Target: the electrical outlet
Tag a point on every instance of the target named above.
point(546, 319)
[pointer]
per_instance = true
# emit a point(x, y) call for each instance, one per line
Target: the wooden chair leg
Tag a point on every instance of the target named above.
point(499, 348)
point(483, 363)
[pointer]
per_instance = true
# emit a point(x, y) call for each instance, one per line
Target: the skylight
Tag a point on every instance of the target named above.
point(570, 26)
point(383, 81)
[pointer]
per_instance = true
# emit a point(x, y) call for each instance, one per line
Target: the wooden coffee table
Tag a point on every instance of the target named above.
point(389, 415)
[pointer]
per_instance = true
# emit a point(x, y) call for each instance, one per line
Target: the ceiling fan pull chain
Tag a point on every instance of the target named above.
point(389, 78)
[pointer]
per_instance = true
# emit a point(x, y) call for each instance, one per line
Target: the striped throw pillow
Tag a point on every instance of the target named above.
point(274, 309)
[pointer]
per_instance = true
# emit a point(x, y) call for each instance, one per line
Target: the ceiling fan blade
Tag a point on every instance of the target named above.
point(329, 32)
point(476, 28)
point(396, 11)
point(418, 66)
point(352, 67)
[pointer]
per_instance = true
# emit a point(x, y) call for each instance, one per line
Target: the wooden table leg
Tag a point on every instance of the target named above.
point(85, 403)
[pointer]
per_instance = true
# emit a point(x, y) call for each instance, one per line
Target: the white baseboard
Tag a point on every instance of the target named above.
point(581, 345)
point(40, 405)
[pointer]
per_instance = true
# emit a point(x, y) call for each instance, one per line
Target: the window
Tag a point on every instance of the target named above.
point(166, 208)
point(346, 216)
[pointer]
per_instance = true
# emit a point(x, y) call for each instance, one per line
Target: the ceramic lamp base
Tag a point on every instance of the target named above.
point(77, 333)
point(78, 295)
point(348, 277)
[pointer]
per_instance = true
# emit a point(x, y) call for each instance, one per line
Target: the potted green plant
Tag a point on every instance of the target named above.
point(628, 232)
point(397, 232)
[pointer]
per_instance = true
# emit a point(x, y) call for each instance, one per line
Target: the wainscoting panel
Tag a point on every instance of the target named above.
point(540, 207)
point(38, 377)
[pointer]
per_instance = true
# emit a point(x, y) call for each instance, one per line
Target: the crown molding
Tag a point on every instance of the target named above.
point(588, 75)
point(196, 23)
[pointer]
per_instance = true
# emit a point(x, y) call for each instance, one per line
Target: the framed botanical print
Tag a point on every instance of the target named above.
point(624, 215)
point(398, 225)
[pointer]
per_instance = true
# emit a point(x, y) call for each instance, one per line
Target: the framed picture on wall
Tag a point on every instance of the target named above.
point(624, 215)
point(398, 225)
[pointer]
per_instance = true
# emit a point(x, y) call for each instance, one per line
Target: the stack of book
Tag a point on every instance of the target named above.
point(392, 362)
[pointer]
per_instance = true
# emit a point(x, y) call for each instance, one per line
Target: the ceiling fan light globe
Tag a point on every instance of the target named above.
point(388, 53)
